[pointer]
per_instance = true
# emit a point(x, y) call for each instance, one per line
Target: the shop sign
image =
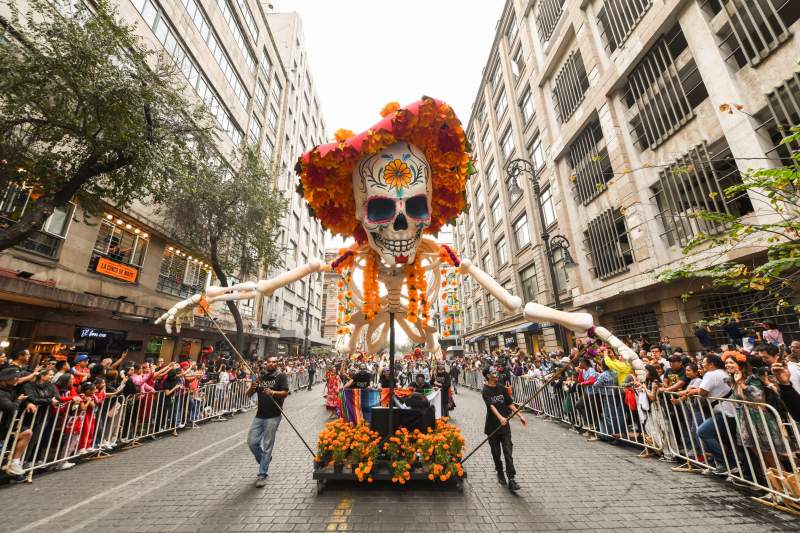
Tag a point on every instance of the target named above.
point(116, 270)
point(509, 339)
point(90, 333)
point(493, 342)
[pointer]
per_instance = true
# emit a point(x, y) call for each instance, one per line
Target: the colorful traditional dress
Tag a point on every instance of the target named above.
point(332, 386)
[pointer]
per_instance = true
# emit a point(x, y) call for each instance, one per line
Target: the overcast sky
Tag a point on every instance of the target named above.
point(366, 53)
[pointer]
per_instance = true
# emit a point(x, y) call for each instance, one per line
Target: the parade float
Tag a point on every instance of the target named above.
point(392, 188)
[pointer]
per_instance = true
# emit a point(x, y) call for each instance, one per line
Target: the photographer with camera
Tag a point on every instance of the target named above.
point(272, 387)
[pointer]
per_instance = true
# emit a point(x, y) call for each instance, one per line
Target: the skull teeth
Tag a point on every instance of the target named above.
point(395, 246)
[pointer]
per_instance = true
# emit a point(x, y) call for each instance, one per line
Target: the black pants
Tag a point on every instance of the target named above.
point(310, 379)
point(502, 441)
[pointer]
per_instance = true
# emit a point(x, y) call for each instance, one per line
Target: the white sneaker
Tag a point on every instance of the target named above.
point(15, 468)
point(66, 465)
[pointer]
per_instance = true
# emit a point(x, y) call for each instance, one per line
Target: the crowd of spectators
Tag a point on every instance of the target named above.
point(61, 409)
point(726, 407)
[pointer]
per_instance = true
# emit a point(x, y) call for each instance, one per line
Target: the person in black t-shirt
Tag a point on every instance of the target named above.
point(499, 407)
point(272, 388)
point(361, 379)
point(420, 385)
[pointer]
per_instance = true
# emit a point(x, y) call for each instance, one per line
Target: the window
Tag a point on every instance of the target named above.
point(618, 18)
point(517, 63)
point(547, 14)
point(478, 198)
point(496, 76)
point(495, 211)
point(154, 19)
point(608, 244)
point(180, 274)
point(512, 30)
point(483, 232)
point(254, 134)
point(272, 118)
point(662, 91)
point(501, 105)
point(548, 209)
point(750, 307)
point(118, 243)
point(479, 311)
point(267, 149)
point(47, 241)
point(529, 286)
point(591, 166)
point(238, 36)
point(560, 267)
point(266, 63)
point(491, 174)
point(261, 96)
point(507, 143)
point(782, 112)
point(502, 251)
point(249, 19)
point(277, 90)
point(521, 233)
point(526, 106)
point(635, 323)
point(488, 267)
point(486, 142)
point(493, 306)
point(480, 115)
point(569, 87)
point(752, 29)
point(536, 153)
point(220, 56)
point(694, 183)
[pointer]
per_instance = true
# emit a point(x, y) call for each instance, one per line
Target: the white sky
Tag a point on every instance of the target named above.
point(365, 53)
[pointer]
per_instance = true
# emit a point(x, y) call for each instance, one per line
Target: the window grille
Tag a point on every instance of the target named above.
point(618, 18)
point(547, 15)
point(663, 90)
point(635, 323)
point(776, 120)
point(752, 29)
point(180, 276)
point(47, 241)
point(608, 244)
point(752, 308)
point(591, 166)
point(569, 86)
point(696, 182)
point(118, 244)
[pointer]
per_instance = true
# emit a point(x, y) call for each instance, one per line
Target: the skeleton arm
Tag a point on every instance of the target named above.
point(509, 301)
point(241, 291)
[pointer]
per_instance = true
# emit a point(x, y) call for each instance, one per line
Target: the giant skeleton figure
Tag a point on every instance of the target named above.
point(393, 191)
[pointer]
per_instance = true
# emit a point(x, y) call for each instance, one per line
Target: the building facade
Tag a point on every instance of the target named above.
point(631, 115)
point(97, 284)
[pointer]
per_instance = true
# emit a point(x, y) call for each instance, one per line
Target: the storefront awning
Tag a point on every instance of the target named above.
point(533, 327)
point(479, 338)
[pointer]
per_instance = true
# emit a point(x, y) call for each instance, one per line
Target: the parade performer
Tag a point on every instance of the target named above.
point(332, 385)
point(442, 380)
point(499, 407)
point(272, 388)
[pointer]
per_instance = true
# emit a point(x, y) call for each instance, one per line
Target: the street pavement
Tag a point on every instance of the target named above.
point(202, 481)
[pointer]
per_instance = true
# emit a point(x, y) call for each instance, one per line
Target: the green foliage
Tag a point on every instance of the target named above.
point(777, 236)
point(87, 112)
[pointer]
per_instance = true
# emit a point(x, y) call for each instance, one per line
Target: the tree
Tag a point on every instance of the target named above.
point(230, 214)
point(86, 113)
point(770, 247)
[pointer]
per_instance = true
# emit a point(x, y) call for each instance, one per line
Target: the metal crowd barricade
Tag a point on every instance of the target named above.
point(64, 432)
point(753, 444)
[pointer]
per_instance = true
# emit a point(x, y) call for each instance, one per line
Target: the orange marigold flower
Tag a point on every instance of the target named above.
point(342, 134)
point(389, 108)
point(397, 174)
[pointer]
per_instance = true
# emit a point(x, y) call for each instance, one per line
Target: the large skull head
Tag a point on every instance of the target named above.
point(393, 200)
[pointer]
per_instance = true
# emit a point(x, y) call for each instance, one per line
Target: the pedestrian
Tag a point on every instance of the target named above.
point(455, 371)
point(498, 410)
point(273, 388)
point(312, 370)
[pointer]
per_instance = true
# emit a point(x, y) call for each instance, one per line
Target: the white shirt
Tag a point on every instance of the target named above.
point(716, 384)
point(794, 375)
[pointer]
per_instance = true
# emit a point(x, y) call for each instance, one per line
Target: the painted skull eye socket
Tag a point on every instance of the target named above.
point(380, 209)
point(417, 207)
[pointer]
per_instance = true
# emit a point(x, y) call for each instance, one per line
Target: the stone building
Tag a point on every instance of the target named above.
point(97, 285)
point(627, 114)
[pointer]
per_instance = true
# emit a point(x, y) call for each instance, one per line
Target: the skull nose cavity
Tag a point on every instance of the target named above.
point(400, 223)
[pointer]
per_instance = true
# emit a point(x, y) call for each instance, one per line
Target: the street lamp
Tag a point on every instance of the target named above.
point(514, 169)
point(311, 280)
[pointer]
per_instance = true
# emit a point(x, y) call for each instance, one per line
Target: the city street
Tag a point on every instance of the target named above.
point(203, 481)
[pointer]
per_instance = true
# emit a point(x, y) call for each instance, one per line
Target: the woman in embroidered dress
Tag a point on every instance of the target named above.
point(332, 385)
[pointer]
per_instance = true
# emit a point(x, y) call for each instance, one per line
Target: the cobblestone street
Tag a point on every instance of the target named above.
point(203, 481)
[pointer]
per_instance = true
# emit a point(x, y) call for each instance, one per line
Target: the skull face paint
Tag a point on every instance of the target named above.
point(392, 191)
